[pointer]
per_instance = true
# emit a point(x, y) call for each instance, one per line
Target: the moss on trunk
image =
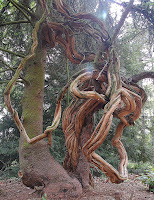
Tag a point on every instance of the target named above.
point(37, 166)
point(33, 96)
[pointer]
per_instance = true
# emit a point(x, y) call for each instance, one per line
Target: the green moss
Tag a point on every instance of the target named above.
point(33, 96)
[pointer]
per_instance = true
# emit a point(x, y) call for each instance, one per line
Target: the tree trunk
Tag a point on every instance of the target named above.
point(78, 127)
point(83, 167)
point(38, 168)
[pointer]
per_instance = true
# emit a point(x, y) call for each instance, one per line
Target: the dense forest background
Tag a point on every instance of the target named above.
point(135, 49)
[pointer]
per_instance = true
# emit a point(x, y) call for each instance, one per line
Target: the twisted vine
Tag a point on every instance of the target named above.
point(110, 93)
point(124, 104)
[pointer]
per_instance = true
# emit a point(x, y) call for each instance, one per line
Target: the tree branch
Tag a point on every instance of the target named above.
point(12, 69)
point(5, 70)
point(24, 8)
point(139, 9)
point(136, 78)
point(14, 22)
point(11, 52)
point(20, 9)
point(18, 81)
point(122, 20)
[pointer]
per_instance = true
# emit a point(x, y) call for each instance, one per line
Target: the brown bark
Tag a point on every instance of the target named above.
point(83, 168)
point(125, 103)
point(40, 170)
point(136, 78)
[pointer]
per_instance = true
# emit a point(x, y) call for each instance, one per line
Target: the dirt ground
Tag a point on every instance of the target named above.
point(132, 189)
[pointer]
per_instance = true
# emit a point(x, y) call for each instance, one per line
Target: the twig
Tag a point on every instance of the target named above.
point(14, 22)
point(18, 81)
point(101, 71)
point(5, 70)
point(11, 68)
point(116, 2)
point(82, 60)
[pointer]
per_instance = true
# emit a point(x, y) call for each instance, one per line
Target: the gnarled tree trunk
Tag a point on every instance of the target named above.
point(119, 98)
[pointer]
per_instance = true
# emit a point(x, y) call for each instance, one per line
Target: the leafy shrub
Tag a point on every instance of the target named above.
point(10, 170)
point(139, 168)
point(148, 179)
point(44, 197)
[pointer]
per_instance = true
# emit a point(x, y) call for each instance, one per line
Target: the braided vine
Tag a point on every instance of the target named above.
point(124, 105)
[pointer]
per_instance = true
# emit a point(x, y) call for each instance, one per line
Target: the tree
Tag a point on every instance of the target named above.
point(106, 90)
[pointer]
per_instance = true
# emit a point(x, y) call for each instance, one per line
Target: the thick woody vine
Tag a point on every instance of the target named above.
point(116, 96)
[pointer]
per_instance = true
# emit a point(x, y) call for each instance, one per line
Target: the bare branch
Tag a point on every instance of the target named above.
point(7, 81)
point(19, 8)
point(136, 78)
point(147, 13)
point(11, 52)
point(12, 69)
point(14, 22)
point(122, 20)
point(5, 70)
point(24, 8)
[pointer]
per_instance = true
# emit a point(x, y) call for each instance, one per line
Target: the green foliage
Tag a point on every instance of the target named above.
point(10, 171)
point(44, 197)
point(58, 148)
point(139, 167)
point(9, 137)
point(136, 139)
point(148, 179)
